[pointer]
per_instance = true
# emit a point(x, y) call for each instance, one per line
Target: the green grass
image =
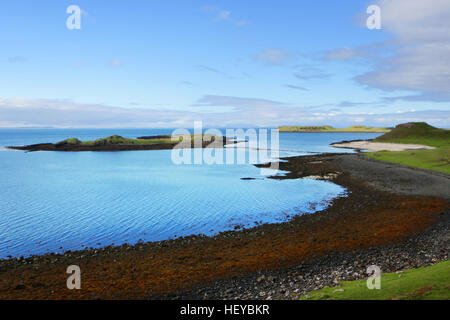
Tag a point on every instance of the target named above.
point(437, 160)
point(330, 129)
point(417, 133)
point(116, 140)
point(70, 141)
point(429, 283)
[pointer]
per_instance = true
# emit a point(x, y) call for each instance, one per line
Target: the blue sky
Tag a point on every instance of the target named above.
point(228, 63)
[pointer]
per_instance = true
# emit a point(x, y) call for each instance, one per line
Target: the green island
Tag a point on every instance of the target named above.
point(355, 128)
point(427, 283)
point(116, 139)
point(119, 143)
point(417, 133)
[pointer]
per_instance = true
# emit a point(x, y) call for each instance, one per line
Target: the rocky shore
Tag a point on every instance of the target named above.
point(417, 250)
point(393, 217)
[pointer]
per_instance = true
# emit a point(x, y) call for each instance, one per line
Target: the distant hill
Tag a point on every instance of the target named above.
point(330, 129)
point(417, 132)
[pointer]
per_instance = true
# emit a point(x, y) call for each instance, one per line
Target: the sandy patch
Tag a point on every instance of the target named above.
point(380, 146)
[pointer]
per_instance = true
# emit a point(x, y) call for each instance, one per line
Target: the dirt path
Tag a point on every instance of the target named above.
point(393, 177)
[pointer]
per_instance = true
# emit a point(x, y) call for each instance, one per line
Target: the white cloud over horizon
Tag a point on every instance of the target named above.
point(243, 112)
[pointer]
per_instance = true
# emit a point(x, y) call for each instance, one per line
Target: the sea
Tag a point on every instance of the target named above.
point(60, 201)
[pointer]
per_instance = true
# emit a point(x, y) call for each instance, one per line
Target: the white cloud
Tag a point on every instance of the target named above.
point(219, 15)
point(308, 73)
point(420, 60)
point(417, 59)
point(291, 86)
point(416, 20)
point(223, 15)
point(273, 57)
point(213, 110)
point(341, 54)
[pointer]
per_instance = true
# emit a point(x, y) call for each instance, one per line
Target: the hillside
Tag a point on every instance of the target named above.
point(418, 133)
point(330, 129)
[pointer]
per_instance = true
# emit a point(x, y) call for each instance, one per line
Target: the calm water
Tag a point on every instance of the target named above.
point(51, 201)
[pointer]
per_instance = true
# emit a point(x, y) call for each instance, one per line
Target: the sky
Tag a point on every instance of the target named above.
point(230, 63)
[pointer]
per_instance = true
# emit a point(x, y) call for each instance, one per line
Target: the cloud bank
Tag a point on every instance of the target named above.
point(243, 112)
point(418, 57)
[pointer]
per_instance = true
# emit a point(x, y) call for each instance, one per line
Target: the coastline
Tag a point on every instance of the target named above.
point(382, 209)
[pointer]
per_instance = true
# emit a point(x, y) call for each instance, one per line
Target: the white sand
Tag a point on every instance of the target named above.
point(377, 146)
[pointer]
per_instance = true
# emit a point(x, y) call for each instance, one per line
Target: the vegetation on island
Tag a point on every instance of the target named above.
point(428, 283)
point(355, 128)
point(417, 133)
point(111, 140)
point(119, 143)
point(119, 140)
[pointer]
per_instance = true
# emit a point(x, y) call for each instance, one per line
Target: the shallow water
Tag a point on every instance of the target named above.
point(51, 201)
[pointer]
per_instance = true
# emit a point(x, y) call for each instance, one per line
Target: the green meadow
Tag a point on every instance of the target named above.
point(428, 283)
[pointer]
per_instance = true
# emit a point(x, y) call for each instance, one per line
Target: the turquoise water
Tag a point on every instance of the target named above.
point(52, 202)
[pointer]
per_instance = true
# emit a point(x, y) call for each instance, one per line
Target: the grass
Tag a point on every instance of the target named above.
point(428, 283)
point(330, 129)
point(70, 141)
point(116, 140)
point(437, 160)
point(417, 133)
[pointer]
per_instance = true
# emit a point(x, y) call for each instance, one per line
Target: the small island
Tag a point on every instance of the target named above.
point(350, 129)
point(119, 143)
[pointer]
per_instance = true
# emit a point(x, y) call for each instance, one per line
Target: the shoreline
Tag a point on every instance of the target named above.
point(370, 217)
point(379, 146)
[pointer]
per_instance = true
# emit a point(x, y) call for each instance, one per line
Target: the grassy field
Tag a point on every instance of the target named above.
point(437, 160)
point(418, 133)
point(330, 129)
point(429, 283)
